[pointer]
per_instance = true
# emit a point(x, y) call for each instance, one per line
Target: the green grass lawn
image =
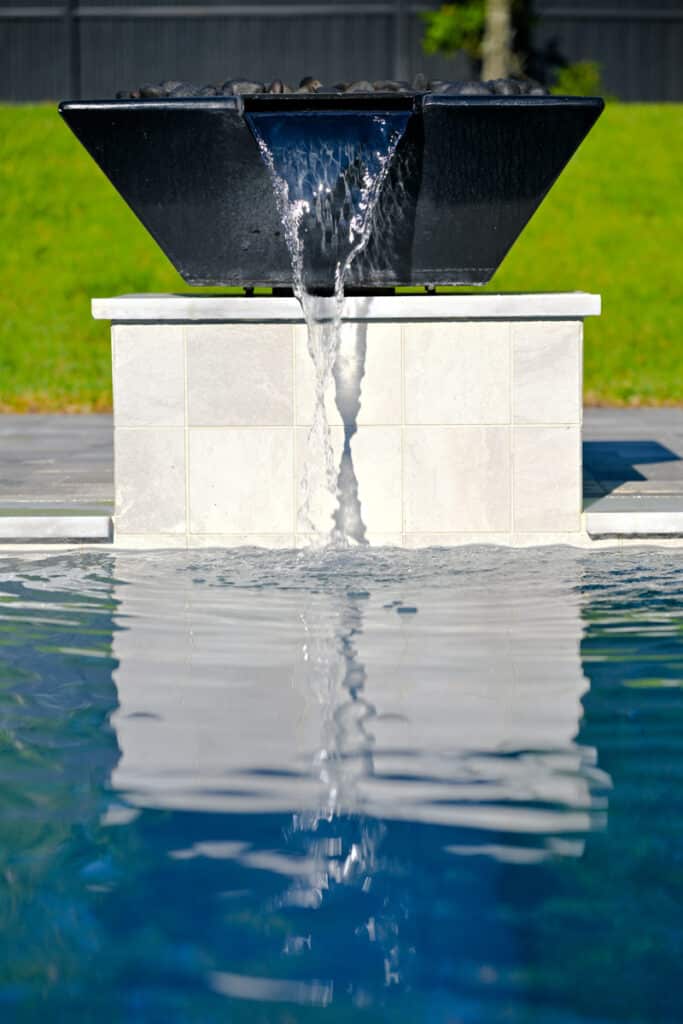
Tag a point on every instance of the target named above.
point(613, 224)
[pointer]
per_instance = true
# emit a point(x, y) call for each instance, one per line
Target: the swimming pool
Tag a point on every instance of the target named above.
point(437, 786)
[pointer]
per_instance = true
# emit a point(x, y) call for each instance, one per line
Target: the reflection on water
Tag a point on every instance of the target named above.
point(435, 786)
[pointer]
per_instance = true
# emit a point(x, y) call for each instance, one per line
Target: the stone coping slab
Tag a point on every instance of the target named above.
point(42, 528)
point(266, 308)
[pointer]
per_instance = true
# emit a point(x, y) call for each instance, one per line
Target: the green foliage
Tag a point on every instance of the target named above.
point(455, 27)
point(67, 236)
point(612, 224)
point(581, 79)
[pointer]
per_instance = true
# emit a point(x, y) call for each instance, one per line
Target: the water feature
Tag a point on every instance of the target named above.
point(328, 169)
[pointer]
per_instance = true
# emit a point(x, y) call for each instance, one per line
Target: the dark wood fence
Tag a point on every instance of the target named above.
point(53, 49)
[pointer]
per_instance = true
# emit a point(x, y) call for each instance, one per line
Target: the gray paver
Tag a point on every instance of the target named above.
point(56, 462)
point(633, 451)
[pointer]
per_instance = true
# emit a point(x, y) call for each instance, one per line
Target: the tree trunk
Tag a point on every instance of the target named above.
point(496, 49)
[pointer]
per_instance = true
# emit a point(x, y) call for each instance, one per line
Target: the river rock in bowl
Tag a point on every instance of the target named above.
point(337, 88)
point(278, 88)
point(463, 89)
point(309, 84)
point(504, 87)
point(152, 92)
point(241, 87)
point(185, 91)
point(390, 85)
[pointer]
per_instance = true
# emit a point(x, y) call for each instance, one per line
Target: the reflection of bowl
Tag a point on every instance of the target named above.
point(473, 170)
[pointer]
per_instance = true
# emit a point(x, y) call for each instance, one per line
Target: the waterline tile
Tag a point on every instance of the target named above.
point(150, 480)
point(457, 479)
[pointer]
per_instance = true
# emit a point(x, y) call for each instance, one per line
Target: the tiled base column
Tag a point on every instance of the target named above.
point(469, 428)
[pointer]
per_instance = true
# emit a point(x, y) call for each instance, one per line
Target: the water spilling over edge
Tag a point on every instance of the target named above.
point(328, 171)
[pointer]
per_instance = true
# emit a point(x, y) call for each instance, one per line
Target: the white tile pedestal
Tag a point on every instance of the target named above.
point(469, 428)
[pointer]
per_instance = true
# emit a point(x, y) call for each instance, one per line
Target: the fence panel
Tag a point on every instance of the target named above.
point(638, 44)
point(65, 48)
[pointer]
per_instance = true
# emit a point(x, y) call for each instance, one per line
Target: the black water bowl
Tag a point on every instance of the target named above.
point(468, 174)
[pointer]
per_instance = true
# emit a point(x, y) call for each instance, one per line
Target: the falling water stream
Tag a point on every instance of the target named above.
point(328, 169)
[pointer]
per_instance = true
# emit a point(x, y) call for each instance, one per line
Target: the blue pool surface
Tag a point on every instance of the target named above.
point(436, 786)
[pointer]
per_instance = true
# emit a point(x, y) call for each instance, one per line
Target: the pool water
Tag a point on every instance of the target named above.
point(436, 786)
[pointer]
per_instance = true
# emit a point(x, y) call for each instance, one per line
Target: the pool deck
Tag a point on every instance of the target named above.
point(56, 477)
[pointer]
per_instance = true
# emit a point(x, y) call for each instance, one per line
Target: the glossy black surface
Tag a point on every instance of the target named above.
point(468, 175)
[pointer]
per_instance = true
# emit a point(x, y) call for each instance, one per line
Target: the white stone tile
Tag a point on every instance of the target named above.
point(149, 541)
point(457, 479)
point(240, 374)
point(316, 501)
point(537, 540)
point(384, 540)
point(633, 524)
point(486, 306)
point(148, 374)
point(241, 480)
point(453, 540)
point(546, 479)
point(55, 527)
point(457, 373)
point(546, 372)
point(241, 540)
point(372, 351)
point(376, 455)
point(149, 480)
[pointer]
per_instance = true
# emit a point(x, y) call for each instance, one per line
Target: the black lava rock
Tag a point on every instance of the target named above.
point(515, 86)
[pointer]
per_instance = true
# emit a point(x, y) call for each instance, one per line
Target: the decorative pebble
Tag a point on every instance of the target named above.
point(388, 85)
point(241, 87)
point(360, 87)
point(185, 91)
point(310, 84)
point(152, 92)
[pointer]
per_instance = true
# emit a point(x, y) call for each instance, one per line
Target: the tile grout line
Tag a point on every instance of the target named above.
point(403, 433)
point(186, 433)
point(580, 399)
point(294, 434)
point(339, 426)
point(113, 395)
point(511, 429)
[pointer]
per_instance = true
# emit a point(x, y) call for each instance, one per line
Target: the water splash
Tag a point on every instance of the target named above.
point(328, 170)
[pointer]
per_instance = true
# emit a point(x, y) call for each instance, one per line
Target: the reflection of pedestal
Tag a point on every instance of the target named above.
point(476, 705)
point(469, 423)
